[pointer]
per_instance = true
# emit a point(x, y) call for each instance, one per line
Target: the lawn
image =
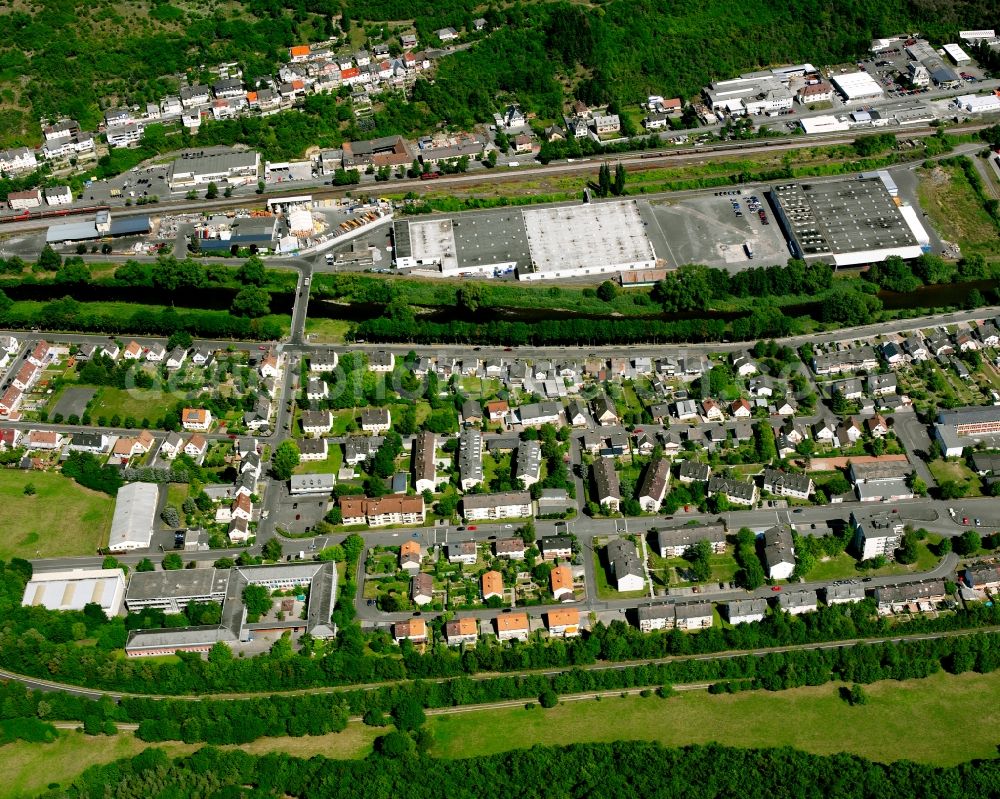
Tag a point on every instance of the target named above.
point(135, 402)
point(843, 566)
point(958, 472)
point(607, 591)
point(326, 331)
point(947, 197)
point(915, 720)
point(724, 568)
point(176, 494)
point(62, 518)
point(334, 459)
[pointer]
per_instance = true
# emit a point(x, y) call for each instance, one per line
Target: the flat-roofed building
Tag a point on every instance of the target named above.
point(879, 535)
point(171, 591)
point(135, 514)
point(74, 590)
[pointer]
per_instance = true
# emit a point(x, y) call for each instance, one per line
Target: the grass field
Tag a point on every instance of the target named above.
point(29, 768)
point(326, 331)
point(137, 403)
point(813, 719)
point(947, 197)
point(843, 565)
point(61, 518)
point(331, 465)
point(957, 472)
point(918, 720)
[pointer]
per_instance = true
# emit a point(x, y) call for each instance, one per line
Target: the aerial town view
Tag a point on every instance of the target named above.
point(482, 400)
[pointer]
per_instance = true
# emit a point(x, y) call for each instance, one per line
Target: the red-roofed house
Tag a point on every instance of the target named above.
point(299, 52)
point(10, 401)
point(42, 353)
point(197, 419)
point(26, 376)
point(133, 351)
point(9, 438)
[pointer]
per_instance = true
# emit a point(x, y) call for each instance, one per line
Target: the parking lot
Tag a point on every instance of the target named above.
point(708, 230)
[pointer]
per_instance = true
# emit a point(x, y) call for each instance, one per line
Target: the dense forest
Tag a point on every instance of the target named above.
point(71, 57)
point(587, 770)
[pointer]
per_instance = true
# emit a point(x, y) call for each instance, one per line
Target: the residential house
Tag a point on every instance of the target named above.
point(710, 411)
point(510, 548)
point(447, 34)
point(470, 459)
point(461, 631)
point(176, 358)
point(26, 376)
point(381, 361)
point(604, 411)
point(491, 585)
point(654, 485)
point(323, 361)
point(472, 413)
point(799, 601)
point(626, 567)
point(376, 420)
point(563, 623)
point(879, 385)
point(558, 547)
point(422, 589)
point(538, 413)
point(745, 611)
point(196, 446)
point(561, 583)
point(779, 552)
point(674, 542)
point(686, 410)
point(413, 630)
point(788, 484)
point(743, 366)
point(554, 502)
point(156, 353)
point(486, 507)
point(849, 389)
point(910, 596)
point(196, 419)
point(94, 443)
point(693, 471)
point(607, 490)
point(656, 617)
point(497, 410)
point(982, 577)
point(410, 556)
point(512, 625)
point(424, 462)
point(313, 449)
point(877, 426)
point(44, 440)
point(42, 354)
point(11, 400)
point(879, 535)
point(463, 552)
point(740, 409)
point(394, 509)
point(358, 449)
point(738, 492)
point(843, 594)
point(693, 615)
point(315, 423)
point(528, 463)
point(317, 389)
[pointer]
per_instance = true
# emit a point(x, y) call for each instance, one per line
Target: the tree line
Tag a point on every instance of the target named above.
point(39, 642)
point(236, 721)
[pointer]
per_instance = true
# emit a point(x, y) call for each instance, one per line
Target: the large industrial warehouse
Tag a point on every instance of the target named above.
point(848, 222)
point(539, 244)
